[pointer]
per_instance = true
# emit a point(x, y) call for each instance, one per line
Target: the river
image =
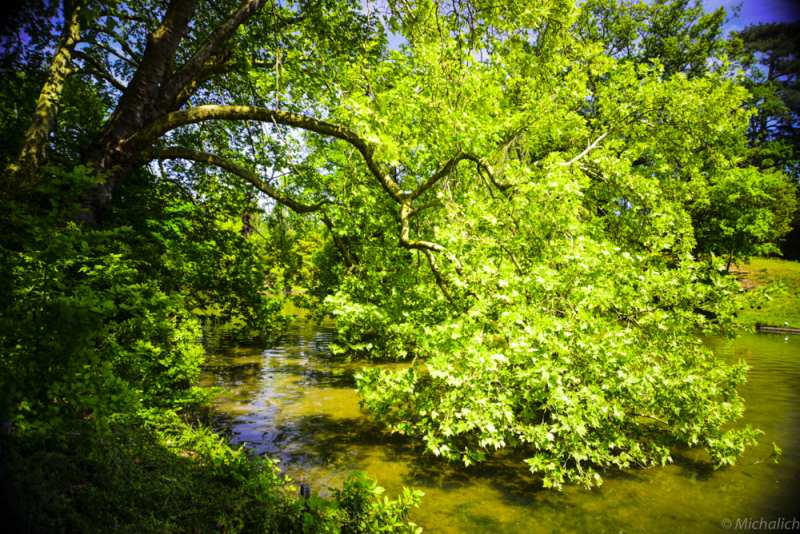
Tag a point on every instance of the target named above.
point(291, 399)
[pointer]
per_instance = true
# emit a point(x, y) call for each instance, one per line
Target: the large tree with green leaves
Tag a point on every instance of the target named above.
point(771, 59)
point(679, 34)
point(772, 55)
point(508, 204)
point(733, 215)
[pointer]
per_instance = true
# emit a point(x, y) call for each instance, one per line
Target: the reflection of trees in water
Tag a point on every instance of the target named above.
point(293, 371)
point(295, 366)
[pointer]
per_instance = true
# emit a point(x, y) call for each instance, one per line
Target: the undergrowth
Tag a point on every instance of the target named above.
point(156, 473)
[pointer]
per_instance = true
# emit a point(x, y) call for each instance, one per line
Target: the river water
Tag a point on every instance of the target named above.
point(291, 399)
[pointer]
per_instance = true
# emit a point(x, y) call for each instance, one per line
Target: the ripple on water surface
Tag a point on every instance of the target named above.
point(291, 399)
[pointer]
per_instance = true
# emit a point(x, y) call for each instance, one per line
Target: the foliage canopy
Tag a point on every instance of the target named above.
point(511, 202)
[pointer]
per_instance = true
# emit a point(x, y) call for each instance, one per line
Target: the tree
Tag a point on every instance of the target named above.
point(484, 191)
point(26, 20)
point(679, 34)
point(772, 51)
point(683, 39)
point(772, 57)
point(745, 212)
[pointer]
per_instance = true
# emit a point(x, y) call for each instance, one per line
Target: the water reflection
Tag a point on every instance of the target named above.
point(291, 399)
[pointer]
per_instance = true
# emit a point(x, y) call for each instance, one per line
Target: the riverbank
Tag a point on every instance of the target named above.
point(153, 474)
point(156, 473)
point(782, 278)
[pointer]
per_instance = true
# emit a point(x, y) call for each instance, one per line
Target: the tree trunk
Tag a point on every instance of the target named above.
point(149, 97)
point(22, 173)
point(135, 110)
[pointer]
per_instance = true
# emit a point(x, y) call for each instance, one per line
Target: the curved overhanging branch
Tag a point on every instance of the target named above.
point(162, 153)
point(487, 167)
point(176, 119)
point(145, 137)
point(243, 172)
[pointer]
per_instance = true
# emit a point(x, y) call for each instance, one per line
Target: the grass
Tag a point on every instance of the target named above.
point(782, 279)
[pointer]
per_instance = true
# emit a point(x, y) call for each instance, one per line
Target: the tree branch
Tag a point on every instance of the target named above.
point(148, 135)
point(431, 204)
point(439, 280)
point(145, 137)
point(588, 149)
point(136, 105)
point(426, 246)
point(343, 249)
point(217, 65)
point(224, 163)
point(441, 173)
point(126, 16)
point(122, 43)
point(203, 113)
point(405, 230)
point(486, 166)
point(514, 259)
point(105, 76)
point(210, 48)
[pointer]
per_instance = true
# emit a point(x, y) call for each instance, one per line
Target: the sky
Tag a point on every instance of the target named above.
point(756, 11)
point(752, 12)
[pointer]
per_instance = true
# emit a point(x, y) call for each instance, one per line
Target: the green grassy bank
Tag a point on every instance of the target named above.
point(782, 280)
